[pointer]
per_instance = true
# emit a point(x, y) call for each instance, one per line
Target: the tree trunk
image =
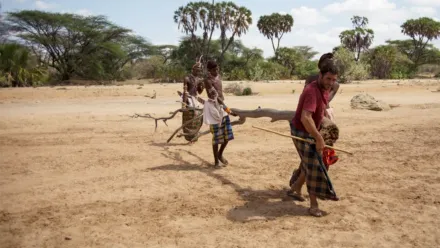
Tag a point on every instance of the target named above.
point(328, 129)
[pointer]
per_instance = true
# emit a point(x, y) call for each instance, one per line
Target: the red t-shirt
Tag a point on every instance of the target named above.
point(312, 99)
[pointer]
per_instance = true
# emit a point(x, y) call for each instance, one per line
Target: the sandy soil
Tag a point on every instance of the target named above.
point(77, 171)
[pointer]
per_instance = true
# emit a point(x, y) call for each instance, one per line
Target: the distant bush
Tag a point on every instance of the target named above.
point(349, 70)
point(237, 74)
point(247, 91)
point(237, 89)
point(359, 71)
point(269, 71)
point(305, 69)
point(233, 88)
point(387, 62)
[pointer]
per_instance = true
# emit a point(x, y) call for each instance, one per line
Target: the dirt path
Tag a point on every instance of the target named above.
point(77, 171)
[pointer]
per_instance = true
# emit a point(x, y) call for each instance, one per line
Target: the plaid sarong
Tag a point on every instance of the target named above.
point(193, 126)
point(317, 180)
point(222, 132)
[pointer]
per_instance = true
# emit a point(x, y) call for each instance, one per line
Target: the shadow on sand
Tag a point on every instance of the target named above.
point(260, 204)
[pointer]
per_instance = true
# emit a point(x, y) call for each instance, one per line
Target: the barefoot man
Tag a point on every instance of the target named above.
point(192, 86)
point(305, 124)
point(334, 88)
point(215, 114)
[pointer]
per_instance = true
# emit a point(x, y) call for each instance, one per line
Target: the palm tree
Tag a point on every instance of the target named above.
point(233, 18)
point(15, 64)
point(275, 26)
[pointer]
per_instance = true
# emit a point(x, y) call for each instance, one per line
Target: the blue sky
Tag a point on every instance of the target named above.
point(317, 23)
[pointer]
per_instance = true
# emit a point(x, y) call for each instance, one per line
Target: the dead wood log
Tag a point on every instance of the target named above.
point(329, 129)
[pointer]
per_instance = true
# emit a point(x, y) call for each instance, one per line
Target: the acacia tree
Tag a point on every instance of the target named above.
point(421, 31)
point(297, 60)
point(274, 26)
point(73, 43)
point(225, 16)
point(358, 39)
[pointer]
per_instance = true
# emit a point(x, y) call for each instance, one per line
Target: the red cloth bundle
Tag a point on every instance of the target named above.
point(329, 157)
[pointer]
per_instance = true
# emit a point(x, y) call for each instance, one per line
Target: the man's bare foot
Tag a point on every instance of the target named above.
point(223, 160)
point(295, 195)
point(217, 165)
point(314, 211)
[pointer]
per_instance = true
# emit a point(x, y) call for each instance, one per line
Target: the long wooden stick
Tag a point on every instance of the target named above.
point(301, 139)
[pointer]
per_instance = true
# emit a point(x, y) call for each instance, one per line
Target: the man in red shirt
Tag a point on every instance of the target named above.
point(334, 89)
point(306, 124)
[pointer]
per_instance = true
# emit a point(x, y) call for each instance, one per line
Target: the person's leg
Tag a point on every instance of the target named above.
point(215, 142)
point(314, 208)
point(215, 153)
point(227, 136)
point(220, 153)
point(297, 179)
point(299, 182)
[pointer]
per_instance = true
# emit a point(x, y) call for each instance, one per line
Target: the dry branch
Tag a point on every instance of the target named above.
point(164, 119)
point(329, 130)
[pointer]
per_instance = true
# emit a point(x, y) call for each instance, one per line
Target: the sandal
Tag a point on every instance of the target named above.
point(315, 212)
point(295, 195)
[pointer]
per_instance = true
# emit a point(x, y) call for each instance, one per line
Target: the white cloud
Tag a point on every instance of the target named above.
point(84, 12)
point(43, 5)
point(305, 16)
point(424, 2)
point(359, 5)
point(21, 1)
point(423, 11)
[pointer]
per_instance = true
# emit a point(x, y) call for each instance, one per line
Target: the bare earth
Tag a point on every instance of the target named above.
point(77, 171)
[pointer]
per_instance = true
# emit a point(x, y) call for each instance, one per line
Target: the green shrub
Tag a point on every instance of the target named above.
point(349, 70)
point(268, 71)
point(237, 74)
point(305, 69)
point(233, 88)
point(247, 91)
point(358, 71)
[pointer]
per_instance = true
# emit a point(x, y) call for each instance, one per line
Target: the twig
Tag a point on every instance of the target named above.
point(164, 119)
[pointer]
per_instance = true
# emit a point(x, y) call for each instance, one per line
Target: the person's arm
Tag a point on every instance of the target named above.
point(210, 87)
point(309, 106)
point(309, 124)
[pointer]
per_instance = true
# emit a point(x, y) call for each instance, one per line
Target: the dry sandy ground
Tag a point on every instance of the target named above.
point(77, 171)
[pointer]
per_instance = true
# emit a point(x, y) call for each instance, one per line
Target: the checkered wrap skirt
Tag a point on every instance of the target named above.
point(317, 180)
point(222, 132)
